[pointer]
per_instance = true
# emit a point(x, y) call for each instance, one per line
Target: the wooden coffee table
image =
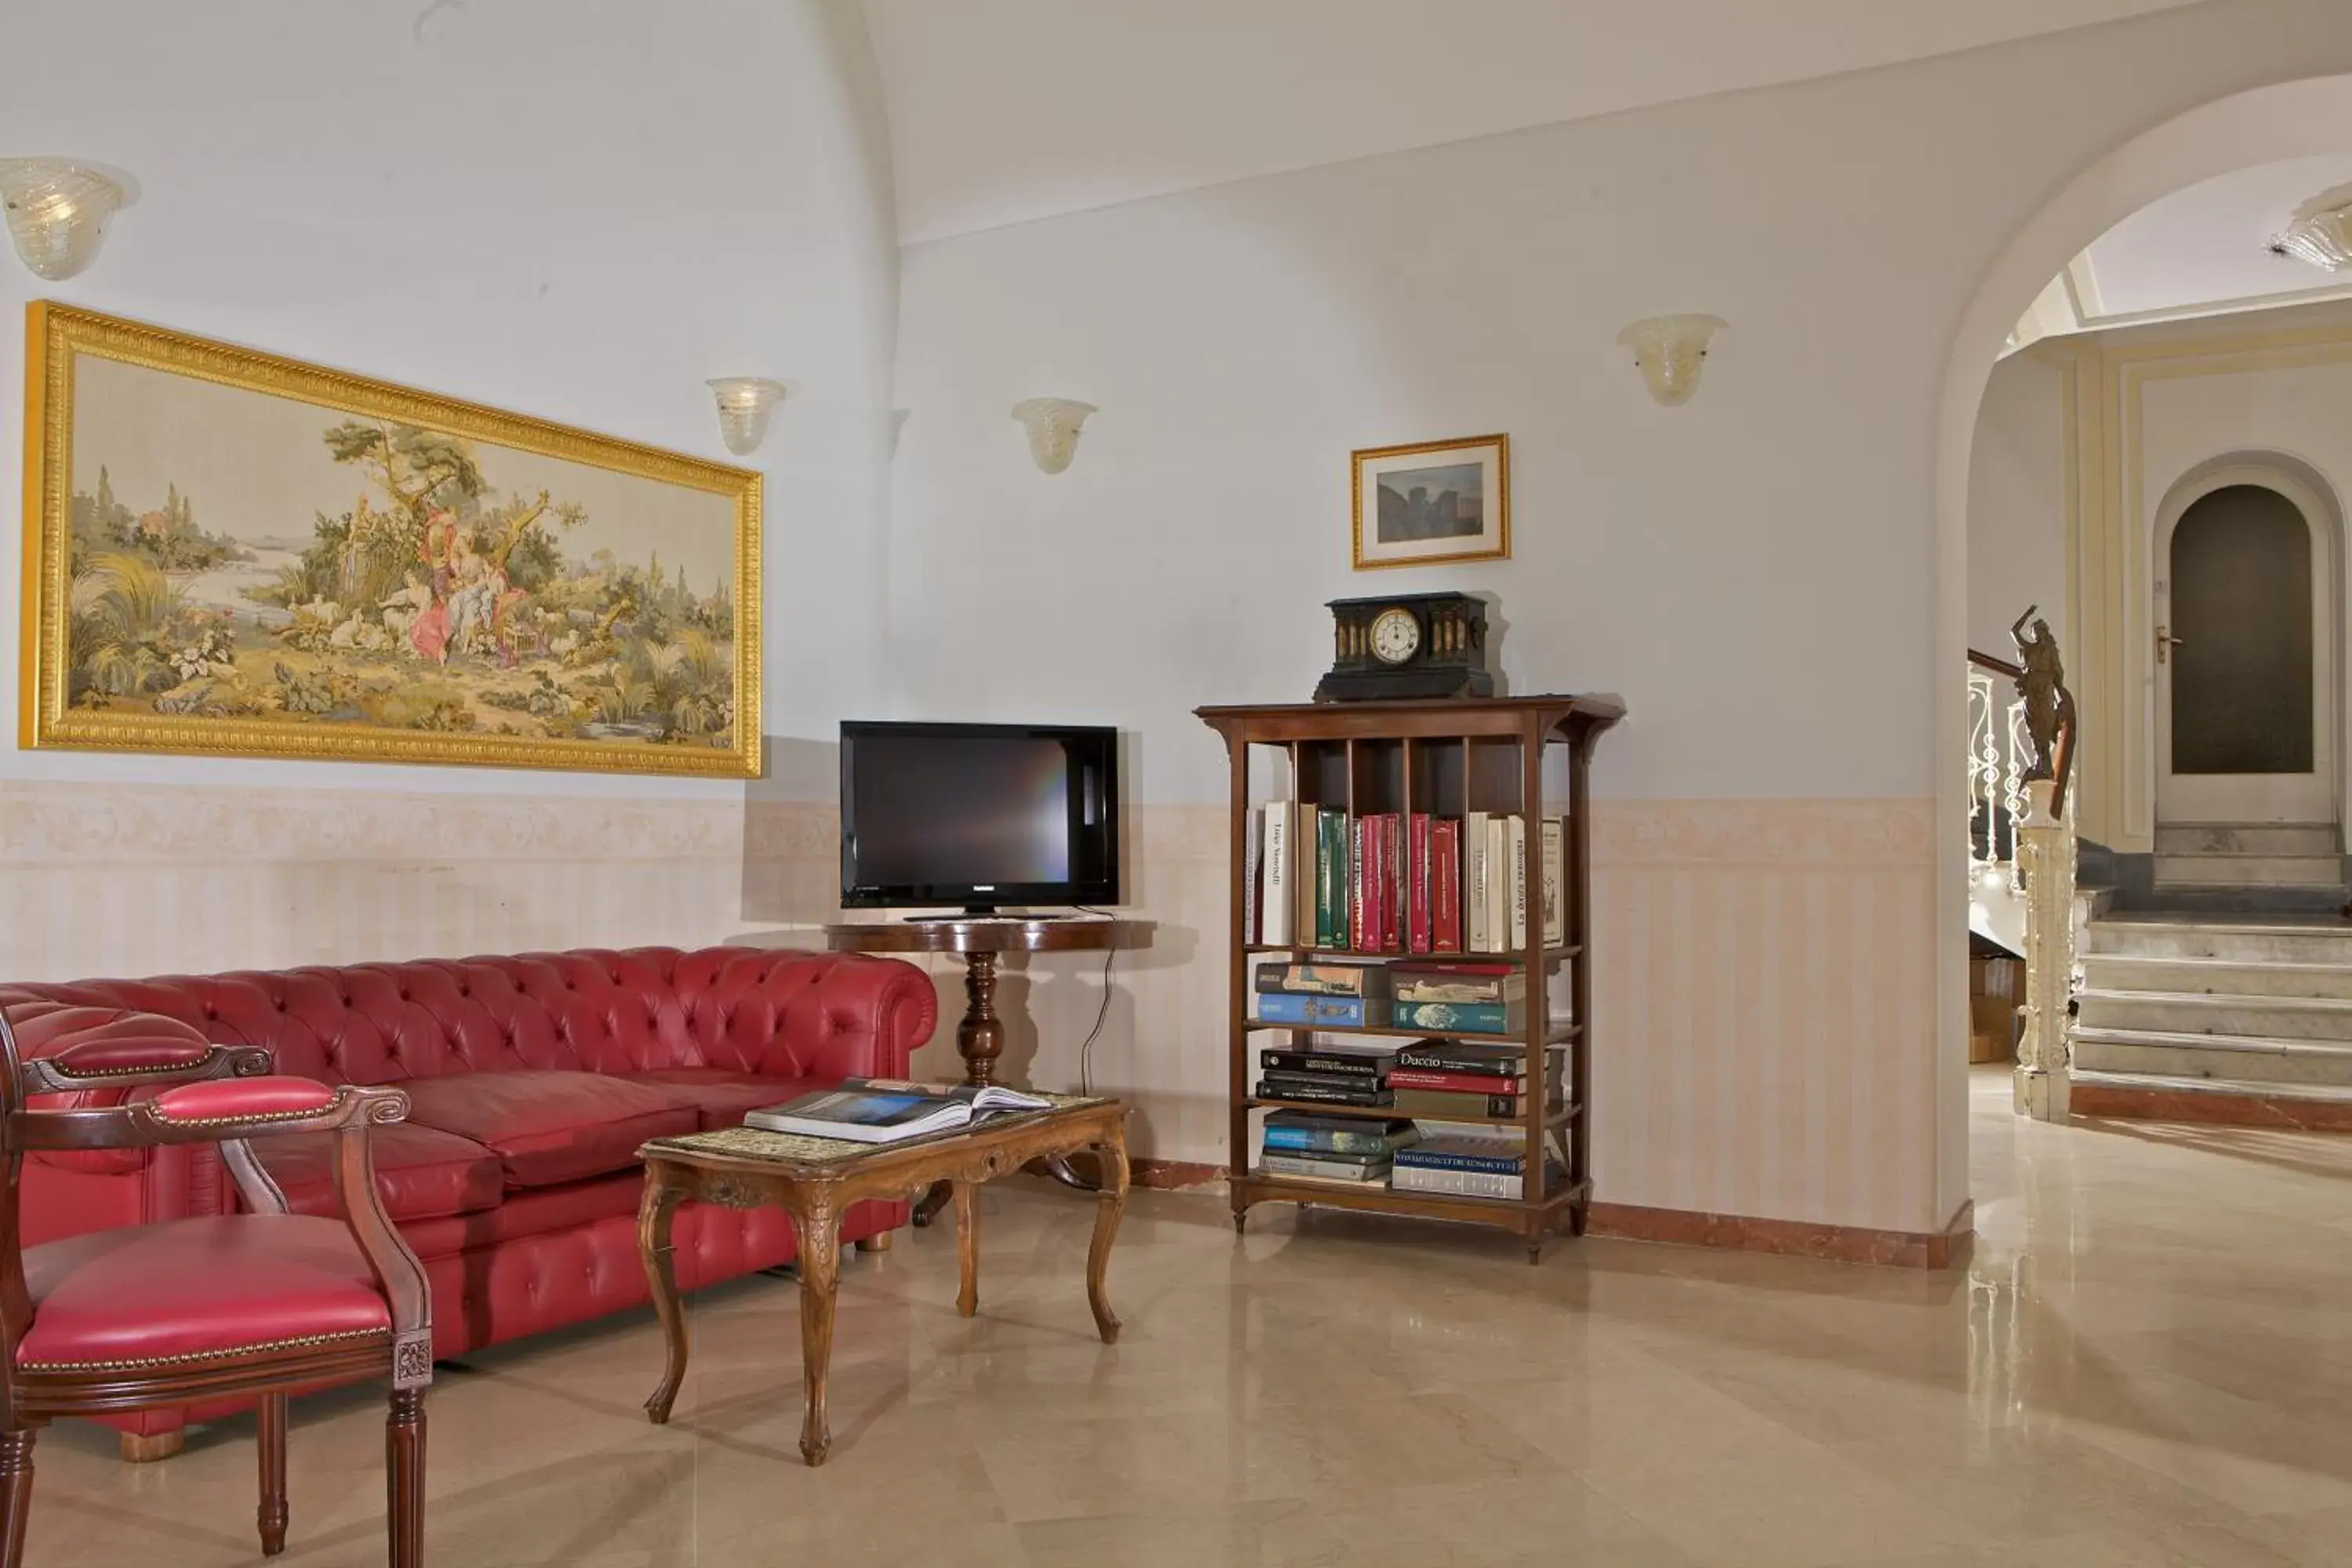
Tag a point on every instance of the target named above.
point(816, 1180)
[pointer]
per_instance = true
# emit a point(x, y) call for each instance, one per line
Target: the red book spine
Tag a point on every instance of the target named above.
point(1356, 884)
point(1446, 885)
point(1460, 1082)
point(1417, 899)
point(1378, 937)
point(1398, 882)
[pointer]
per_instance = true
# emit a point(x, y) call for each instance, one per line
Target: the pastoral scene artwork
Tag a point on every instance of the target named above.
point(240, 558)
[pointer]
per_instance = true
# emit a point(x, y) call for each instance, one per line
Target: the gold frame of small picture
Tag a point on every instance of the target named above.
point(1424, 531)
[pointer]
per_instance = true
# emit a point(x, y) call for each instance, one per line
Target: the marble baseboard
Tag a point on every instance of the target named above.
point(2116, 1102)
point(1945, 1248)
point(1171, 1175)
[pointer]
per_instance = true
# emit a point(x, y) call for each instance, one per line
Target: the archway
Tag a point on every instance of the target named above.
point(2265, 125)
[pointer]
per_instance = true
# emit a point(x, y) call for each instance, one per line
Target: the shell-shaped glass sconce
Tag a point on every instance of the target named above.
point(2321, 233)
point(744, 402)
point(57, 212)
point(1052, 424)
point(1671, 351)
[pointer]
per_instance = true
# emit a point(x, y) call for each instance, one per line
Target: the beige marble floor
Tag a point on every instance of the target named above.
point(2148, 1362)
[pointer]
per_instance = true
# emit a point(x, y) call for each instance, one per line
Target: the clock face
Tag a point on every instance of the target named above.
point(1396, 635)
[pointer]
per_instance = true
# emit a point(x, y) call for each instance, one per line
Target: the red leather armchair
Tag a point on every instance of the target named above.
point(254, 1304)
point(530, 1081)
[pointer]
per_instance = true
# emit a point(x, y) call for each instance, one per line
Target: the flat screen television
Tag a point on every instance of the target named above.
point(982, 817)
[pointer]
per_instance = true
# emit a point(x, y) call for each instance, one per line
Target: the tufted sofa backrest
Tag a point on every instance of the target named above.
point(744, 1009)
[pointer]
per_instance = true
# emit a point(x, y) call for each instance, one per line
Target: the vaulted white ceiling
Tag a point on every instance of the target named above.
point(2208, 247)
point(1004, 110)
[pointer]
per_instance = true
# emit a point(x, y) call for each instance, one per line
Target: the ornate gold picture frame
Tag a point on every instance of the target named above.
point(1433, 503)
point(232, 553)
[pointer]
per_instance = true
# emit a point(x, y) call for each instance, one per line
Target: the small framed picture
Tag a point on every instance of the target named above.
point(1439, 500)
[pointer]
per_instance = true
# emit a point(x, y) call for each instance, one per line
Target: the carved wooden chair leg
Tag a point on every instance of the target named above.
point(15, 1494)
point(271, 1515)
point(403, 1454)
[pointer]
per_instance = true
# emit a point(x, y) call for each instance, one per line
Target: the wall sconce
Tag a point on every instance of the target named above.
point(1052, 424)
point(744, 403)
point(1671, 351)
point(57, 212)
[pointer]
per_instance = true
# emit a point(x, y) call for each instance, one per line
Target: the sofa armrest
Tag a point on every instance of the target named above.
point(839, 1014)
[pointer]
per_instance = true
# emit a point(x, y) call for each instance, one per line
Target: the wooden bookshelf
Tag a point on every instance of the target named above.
point(1528, 756)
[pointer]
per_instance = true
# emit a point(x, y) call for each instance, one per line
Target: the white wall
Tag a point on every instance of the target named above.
point(1758, 573)
point(578, 209)
point(2017, 504)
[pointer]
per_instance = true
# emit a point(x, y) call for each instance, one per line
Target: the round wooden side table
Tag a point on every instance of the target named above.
point(982, 939)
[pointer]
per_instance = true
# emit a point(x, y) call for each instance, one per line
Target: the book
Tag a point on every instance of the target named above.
point(1457, 982)
point(1467, 1183)
point(1396, 882)
point(1498, 885)
point(1271, 878)
point(1460, 1018)
point(1327, 1087)
point(1370, 1062)
point(1474, 1057)
point(1331, 878)
point(1475, 891)
point(1446, 885)
point(1338, 1160)
point(1324, 977)
point(886, 1111)
point(1418, 913)
point(1317, 1011)
point(1455, 1083)
point(1295, 1130)
point(1446, 1105)
point(1454, 1152)
point(1297, 1168)
point(1356, 899)
point(1555, 881)
point(1516, 849)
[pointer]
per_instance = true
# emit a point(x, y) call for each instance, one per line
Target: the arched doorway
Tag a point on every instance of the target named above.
point(2245, 664)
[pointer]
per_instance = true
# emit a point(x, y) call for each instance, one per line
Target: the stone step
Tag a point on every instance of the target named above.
point(2317, 941)
point(2248, 838)
point(2195, 1013)
point(2315, 1093)
point(2216, 976)
point(2249, 870)
point(2245, 1059)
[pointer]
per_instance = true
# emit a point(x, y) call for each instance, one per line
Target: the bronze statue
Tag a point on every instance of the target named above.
point(2049, 706)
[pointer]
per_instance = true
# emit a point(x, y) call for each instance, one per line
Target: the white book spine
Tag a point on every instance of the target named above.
point(1518, 863)
point(1474, 886)
point(1499, 890)
point(1461, 1183)
point(1275, 866)
point(1252, 890)
point(1555, 881)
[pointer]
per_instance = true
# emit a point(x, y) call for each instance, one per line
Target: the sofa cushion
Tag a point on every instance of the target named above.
point(720, 1098)
point(548, 1128)
point(421, 1173)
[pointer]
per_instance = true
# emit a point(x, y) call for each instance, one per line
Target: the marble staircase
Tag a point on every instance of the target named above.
point(2250, 868)
point(2247, 1004)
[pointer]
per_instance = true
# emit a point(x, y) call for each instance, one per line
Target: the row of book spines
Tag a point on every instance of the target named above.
point(1311, 1008)
point(1436, 1104)
point(1414, 1178)
point(1490, 1071)
point(1389, 882)
point(1286, 1064)
point(1407, 1156)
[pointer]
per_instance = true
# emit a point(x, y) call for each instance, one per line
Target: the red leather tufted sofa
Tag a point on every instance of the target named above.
point(531, 1081)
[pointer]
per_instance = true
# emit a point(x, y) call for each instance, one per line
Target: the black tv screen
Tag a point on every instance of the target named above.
point(981, 815)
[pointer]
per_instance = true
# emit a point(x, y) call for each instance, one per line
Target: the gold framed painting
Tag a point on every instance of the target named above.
point(1433, 503)
point(232, 553)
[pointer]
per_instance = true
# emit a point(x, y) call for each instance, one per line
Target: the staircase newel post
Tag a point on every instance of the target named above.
point(2046, 856)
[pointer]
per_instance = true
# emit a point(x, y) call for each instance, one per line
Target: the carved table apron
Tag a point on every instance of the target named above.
point(816, 1193)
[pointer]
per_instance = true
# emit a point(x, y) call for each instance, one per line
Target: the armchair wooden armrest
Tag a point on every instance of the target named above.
point(136, 1064)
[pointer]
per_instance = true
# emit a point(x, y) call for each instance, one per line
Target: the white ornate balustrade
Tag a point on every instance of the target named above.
point(1998, 752)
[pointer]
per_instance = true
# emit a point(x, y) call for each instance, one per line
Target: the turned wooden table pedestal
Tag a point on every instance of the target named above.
point(981, 940)
point(816, 1180)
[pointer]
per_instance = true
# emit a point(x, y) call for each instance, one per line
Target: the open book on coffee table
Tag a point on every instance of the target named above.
point(886, 1111)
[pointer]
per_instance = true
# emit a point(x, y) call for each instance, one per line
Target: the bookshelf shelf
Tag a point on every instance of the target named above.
point(1559, 1116)
point(1557, 1034)
point(1355, 764)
